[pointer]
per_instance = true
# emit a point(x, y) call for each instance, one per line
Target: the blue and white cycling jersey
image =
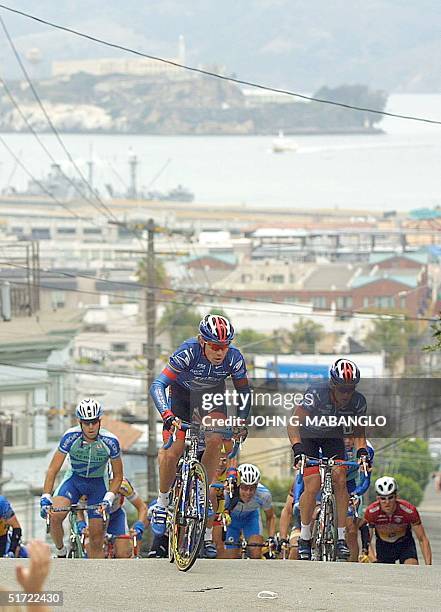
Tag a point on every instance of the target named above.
point(89, 459)
point(262, 500)
point(189, 369)
point(245, 517)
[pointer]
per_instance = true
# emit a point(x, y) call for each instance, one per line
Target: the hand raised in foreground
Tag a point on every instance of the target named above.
point(33, 577)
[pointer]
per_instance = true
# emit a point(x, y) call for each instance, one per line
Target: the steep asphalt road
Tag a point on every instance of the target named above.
point(224, 586)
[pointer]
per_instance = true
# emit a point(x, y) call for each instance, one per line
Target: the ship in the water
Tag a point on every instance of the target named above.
point(178, 194)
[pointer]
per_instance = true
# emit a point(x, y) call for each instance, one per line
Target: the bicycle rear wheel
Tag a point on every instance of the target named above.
point(330, 530)
point(190, 517)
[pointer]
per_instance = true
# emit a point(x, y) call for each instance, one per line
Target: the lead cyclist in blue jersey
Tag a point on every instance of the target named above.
point(197, 369)
point(90, 449)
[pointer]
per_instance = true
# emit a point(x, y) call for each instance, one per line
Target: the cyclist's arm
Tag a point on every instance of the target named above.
point(242, 386)
point(360, 438)
point(159, 386)
point(52, 471)
point(117, 470)
point(300, 415)
point(364, 484)
point(285, 517)
point(270, 522)
point(141, 507)
point(420, 533)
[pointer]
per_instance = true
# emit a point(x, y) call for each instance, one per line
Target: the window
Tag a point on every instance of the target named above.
point(66, 230)
point(119, 347)
point(58, 299)
point(344, 301)
point(277, 278)
point(384, 301)
point(41, 233)
point(14, 420)
point(319, 301)
point(402, 301)
point(365, 302)
point(92, 230)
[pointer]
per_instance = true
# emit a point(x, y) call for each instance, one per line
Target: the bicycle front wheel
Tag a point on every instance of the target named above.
point(190, 517)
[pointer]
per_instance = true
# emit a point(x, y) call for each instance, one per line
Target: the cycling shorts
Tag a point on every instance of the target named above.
point(3, 544)
point(248, 523)
point(401, 550)
point(73, 487)
point(330, 447)
point(118, 523)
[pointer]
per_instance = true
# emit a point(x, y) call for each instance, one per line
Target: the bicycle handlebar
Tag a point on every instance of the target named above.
point(225, 431)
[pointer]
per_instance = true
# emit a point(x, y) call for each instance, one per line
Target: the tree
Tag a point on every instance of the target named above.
point(394, 337)
point(181, 321)
point(436, 335)
point(250, 341)
point(304, 337)
point(161, 278)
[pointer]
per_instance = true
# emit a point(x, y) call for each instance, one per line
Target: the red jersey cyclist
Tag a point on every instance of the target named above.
point(394, 520)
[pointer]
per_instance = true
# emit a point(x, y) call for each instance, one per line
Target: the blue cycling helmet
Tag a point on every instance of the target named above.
point(215, 328)
point(89, 409)
point(344, 372)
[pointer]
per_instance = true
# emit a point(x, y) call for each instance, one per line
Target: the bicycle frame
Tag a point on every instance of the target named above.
point(76, 540)
point(109, 543)
point(325, 532)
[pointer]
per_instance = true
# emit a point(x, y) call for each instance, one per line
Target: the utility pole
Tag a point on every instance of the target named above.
point(150, 313)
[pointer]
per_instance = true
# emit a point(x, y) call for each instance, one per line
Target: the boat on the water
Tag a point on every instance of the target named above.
point(282, 144)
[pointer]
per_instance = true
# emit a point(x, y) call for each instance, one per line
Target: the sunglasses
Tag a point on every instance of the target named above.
point(218, 347)
point(90, 422)
point(386, 497)
point(345, 389)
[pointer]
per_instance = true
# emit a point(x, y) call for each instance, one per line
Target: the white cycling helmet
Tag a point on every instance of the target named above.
point(89, 409)
point(249, 474)
point(386, 485)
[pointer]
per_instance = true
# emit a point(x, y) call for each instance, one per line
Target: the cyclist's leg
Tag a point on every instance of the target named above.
point(213, 443)
point(117, 527)
point(232, 549)
point(311, 478)
point(65, 494)
point(352, 526)
point(387, 552)
point(168, 458)
point(408, 553)
point(252, 532)
point(95, 489)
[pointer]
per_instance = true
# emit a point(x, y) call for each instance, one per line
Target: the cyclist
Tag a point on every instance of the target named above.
point(393, 520)
point(90, 450)
point(290, 513)
point(218, 504)
point(9, 520)
point(357, 484)
point(337, 397)
point(244, 508)
point(117, 525)
point(198, 366)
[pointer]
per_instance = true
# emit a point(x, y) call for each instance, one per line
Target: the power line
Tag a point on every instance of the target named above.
point(215, 74)
point(46, 115)
point(105, 208)
point(46, 150)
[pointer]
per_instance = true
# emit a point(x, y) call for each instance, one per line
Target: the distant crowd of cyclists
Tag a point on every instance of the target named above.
point(238, 499)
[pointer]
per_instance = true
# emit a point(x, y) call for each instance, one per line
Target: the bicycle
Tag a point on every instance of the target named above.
point(109, 544)
point(324, 532)
point(188, 513)
point(76, 545)
point(269, 547)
